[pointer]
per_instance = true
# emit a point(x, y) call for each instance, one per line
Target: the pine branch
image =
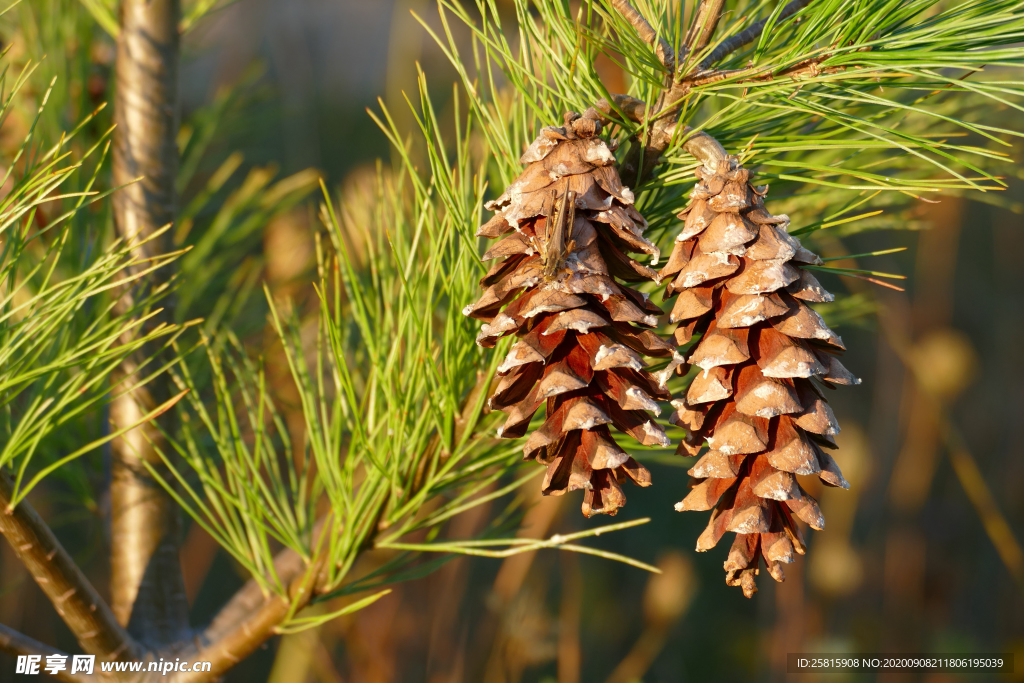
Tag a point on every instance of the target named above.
point(250, 617)
point(644, 156)
point(661, 47)
point(242, 640)
point(75, 599)
point(808, 67)
point(749, 34)
point(146, 583)
point(250, 599)
point(16, 643)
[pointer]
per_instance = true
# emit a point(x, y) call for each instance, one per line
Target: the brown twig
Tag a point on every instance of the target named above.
point(239, 642)
point(75, 599)
point(808, 67)
point(661, 47)
point(249, 599)
point(16, 643)
point(749, 34)
point(251, 617)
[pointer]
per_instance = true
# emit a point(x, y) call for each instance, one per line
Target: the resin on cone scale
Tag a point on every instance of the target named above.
point(741, 305)
point(567, 227)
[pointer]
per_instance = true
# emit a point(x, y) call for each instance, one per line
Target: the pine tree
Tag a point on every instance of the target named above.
point(850, 109)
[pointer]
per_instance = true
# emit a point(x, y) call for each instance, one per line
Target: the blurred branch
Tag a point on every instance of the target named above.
point(250, 617)
point(640, 657)
point(570, 615)
point(964, 464)
point(536, 522)
point(243, 639)
point(15, 643)
point(978, 492)
point(250, 599)
point(667, 596)
point(75, 599)
point(146, 583)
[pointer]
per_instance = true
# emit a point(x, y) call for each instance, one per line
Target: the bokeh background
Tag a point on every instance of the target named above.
point(921, 555)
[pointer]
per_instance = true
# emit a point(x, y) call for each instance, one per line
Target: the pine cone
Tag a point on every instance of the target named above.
point(764, 353)
point(570, 224)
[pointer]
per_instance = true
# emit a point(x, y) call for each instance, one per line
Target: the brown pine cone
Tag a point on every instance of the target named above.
point(764, 355)
point(582, 335)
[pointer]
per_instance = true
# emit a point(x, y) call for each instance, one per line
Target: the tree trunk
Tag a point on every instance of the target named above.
point(146, 586)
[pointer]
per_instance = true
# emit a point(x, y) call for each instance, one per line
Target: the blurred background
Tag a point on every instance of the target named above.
point(921, 555)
